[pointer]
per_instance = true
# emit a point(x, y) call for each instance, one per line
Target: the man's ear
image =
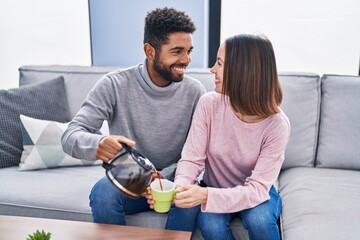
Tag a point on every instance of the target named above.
point(149, 51)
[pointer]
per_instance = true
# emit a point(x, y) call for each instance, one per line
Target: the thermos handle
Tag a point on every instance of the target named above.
point(107, 166)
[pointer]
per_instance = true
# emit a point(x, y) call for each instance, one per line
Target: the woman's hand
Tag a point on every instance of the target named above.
point(190, 196)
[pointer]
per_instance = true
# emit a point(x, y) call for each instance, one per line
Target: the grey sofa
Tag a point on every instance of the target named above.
point(319, 181)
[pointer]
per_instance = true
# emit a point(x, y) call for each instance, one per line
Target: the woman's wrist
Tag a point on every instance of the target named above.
point(204, 191)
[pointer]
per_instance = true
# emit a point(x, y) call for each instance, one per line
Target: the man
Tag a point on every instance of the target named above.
point(150, 104)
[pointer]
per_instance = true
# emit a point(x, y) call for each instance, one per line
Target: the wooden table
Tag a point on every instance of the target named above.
point(18, 228)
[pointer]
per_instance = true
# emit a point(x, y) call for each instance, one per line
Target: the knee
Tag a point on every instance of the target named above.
point(183, 219)
point(258, 222)
point(214, 226)
point(107, 204)
point(212, 231)
point(103, 194)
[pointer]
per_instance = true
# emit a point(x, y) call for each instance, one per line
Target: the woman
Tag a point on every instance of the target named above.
point(238, 138)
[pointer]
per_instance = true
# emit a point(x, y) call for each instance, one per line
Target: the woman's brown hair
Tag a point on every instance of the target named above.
point(250, 75)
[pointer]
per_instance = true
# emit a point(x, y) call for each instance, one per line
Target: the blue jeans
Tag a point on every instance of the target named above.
point(260, 221)
point(108, 205)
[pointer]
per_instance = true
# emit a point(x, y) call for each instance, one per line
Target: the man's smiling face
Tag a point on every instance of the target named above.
point(170, 63)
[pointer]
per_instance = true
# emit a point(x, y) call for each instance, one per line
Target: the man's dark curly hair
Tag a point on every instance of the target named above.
point(160, 22)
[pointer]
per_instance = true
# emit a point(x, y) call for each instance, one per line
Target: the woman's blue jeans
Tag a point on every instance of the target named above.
point(260, 221)
point(108, 205)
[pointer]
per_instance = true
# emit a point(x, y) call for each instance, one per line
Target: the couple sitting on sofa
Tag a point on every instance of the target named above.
point(237, 135)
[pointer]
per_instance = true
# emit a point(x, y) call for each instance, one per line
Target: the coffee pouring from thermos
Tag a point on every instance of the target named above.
point(130, 172)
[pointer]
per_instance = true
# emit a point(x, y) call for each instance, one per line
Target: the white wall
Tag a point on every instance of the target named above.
point(318, 36)
point(311, 36)
point(36, 32)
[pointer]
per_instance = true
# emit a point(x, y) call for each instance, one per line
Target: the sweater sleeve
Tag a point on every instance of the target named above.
point(257, 186)
point(80, 139)
point(193, 155)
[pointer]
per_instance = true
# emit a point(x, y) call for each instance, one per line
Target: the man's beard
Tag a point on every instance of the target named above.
point(165, 71)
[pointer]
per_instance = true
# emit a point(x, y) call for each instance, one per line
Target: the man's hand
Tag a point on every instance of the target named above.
point(109, 146)
point(190, 196)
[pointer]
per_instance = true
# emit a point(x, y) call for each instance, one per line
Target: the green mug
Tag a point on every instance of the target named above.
point(164, 197)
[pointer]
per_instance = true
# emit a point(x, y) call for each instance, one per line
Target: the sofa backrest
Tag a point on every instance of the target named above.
point(78, 80)
point(339, 136)
point(300, 103)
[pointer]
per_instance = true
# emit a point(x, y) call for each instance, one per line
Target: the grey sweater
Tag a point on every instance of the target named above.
point(156, 118)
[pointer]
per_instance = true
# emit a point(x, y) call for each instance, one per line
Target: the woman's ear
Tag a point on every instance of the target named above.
point(149, 51)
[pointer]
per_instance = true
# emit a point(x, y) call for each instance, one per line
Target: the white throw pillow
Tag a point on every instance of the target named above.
point(46, 150)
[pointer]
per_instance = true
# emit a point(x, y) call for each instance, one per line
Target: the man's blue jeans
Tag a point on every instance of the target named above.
point(259, 221)
point(108, 205)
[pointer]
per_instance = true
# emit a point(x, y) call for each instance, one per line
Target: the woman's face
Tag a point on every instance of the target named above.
point(218, 68)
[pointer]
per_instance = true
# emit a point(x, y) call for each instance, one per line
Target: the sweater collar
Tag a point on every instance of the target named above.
point(151, 87)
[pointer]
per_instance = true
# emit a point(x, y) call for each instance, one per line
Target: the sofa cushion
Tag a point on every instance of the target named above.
point(320, 203)
point(301, 103)
point(34, 101)
point(43, 149)
point(339, 134)
point(60, 193)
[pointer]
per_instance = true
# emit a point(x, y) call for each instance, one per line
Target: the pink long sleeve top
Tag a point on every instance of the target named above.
point(241, 160)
